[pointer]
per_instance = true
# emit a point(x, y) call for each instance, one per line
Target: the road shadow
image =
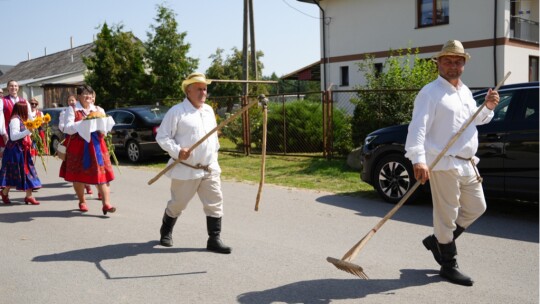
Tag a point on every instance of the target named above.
point(328, 290)
point(18, 217)
point(504, 219)
point(97, 255)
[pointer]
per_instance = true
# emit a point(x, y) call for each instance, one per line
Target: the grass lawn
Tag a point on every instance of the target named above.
point(289, 171)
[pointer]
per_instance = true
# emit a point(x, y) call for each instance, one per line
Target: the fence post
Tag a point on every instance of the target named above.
point(329, 125)
point(245, 126)
point(324, 119)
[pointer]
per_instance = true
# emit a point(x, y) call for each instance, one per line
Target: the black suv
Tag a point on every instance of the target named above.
point(508, 150)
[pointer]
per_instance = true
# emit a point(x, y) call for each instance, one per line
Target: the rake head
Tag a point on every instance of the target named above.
point(348, 267)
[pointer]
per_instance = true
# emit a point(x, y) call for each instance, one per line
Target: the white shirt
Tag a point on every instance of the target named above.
point(3, 119)
point(183, 126)
point(15, 130)
point(440, 110)
point(69, 117)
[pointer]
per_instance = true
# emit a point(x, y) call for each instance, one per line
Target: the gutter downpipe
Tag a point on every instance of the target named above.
point(323, 42)
point(495, 43)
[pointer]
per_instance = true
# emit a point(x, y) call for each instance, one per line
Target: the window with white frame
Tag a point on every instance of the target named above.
point(432, 12)
point(344, 77)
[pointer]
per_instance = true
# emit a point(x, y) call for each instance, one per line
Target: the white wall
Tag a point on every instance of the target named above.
point(364, 26)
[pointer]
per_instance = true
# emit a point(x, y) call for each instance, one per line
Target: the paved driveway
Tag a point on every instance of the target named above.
point(53, 254)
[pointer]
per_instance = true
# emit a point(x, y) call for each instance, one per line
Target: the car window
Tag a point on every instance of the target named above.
point(154, 114)
point(531, 106)
point(499, 114)
point(123, 118)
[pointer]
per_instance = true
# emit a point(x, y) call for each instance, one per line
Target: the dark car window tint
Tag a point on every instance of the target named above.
point(123, 118)
point(154, 114)
point(499, 114)
point(531, 106)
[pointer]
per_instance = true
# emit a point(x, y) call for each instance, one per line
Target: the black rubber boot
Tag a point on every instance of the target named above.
point(214, 243)
point(430, 243)
point(450, 269)
point(166, 230)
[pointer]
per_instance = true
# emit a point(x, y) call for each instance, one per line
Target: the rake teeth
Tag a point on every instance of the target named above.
point(348, 267)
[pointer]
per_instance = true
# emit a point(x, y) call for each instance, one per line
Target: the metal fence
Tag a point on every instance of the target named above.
point(315, 124)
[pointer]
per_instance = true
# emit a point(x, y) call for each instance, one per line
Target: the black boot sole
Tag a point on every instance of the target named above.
point(464, 281)
point(219, 250)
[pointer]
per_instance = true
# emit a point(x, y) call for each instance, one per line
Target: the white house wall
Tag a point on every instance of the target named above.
point(357, 27)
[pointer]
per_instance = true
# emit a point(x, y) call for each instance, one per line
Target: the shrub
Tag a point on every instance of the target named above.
point(388, 97)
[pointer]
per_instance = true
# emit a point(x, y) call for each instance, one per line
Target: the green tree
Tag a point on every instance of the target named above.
point(116, 70)
point(167, 56)
point(387, 98)
point(229, 67)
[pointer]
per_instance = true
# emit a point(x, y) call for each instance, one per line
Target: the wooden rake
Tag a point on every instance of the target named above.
point(345, 262)
point(200, 141)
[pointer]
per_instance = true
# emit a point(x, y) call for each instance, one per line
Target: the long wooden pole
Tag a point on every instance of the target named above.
point(200, 141)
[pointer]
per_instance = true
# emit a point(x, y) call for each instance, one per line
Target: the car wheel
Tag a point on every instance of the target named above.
point(394, 176)
point(133, 151)
point(54, 145)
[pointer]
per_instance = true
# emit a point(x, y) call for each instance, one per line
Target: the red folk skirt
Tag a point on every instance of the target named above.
point(87, 163)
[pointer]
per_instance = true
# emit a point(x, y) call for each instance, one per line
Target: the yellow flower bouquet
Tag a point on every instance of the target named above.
point(33, 126)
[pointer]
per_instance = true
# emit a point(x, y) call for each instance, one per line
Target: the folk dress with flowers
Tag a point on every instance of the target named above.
point(17, 166)
point(86, 162)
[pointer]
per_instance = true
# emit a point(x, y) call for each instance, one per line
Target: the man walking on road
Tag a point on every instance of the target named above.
point(440, 109)
point(199, 171)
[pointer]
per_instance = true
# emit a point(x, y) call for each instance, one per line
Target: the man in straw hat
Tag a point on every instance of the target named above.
point(199, 171)
point(440, 109)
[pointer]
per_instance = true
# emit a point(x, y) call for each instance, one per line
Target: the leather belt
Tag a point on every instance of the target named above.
point(198, 166)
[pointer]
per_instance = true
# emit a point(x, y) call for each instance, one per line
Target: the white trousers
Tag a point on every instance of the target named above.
point(209, 190)
point(456, 200)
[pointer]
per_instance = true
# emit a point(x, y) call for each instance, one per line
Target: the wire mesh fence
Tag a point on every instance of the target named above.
point(315, 124)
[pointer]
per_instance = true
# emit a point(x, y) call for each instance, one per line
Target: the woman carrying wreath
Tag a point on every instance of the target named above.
point(87, 162)
point(17, 166)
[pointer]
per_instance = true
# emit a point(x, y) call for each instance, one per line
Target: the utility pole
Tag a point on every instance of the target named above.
point(249, 31)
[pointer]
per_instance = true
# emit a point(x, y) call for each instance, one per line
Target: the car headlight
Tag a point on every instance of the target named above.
point(369, 139)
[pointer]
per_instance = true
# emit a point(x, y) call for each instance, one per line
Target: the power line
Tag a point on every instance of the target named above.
point(294, 8)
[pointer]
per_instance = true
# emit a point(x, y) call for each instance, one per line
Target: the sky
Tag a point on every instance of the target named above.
point(287, 31)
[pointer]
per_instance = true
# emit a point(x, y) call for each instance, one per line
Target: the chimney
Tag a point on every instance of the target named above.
point(71, 42)
point(28, 55)
point(45, 51)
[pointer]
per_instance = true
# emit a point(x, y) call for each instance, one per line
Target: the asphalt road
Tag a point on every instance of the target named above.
point(54, 254)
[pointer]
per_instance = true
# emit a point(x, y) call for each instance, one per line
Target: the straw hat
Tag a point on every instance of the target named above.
point(452, 48)
point(194, 78)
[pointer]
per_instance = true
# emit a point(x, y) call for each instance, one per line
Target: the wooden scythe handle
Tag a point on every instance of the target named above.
point(200, 141)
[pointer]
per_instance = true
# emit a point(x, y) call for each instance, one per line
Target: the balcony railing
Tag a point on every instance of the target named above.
point(523, 29)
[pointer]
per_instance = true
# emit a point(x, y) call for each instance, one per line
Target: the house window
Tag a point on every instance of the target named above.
point(378, 69)
point(344, 76)
point(533, 68)
point(432, 12)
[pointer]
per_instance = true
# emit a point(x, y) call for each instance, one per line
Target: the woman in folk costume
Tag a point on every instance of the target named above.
point(6, 107)
point(17, 166)
point(86, 162)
